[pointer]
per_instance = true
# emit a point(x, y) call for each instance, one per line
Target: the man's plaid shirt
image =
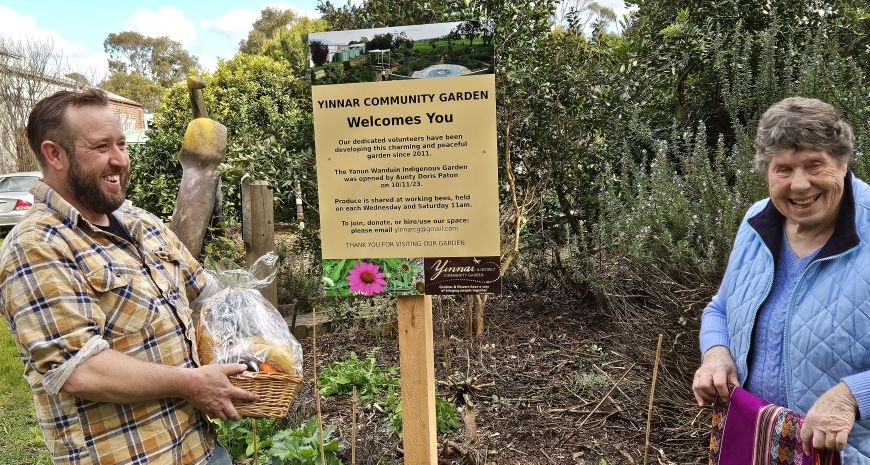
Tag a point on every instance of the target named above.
point(65, 282)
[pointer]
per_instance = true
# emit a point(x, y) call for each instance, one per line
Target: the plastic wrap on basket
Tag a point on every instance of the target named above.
point(238, 325)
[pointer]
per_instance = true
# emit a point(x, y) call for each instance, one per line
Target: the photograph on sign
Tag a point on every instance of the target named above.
point(404, 52)
point(404, 122)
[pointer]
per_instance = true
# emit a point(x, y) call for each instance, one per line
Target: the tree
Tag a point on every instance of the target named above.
point(79, 78)
point(402, 40)
point(28, 71)
point(159, 59)
point(319, 52)
point(380, 42)
point(291, 45)
point(384, 13)
point(136, 87)
point(472, 29)
point(578, 14)
point(271, 22)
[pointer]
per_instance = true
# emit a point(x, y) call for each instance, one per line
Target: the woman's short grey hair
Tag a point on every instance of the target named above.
point(799, 123)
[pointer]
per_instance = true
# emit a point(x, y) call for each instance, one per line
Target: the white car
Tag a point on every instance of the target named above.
point(14, 196)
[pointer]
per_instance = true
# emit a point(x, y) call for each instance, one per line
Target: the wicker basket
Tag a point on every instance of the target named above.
point(276, 391)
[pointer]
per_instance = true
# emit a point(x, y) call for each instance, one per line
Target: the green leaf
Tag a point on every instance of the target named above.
point(331, 446)
point(307, 452)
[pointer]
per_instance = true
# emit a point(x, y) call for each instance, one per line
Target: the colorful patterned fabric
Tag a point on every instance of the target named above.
point(749, 431)
point(66, 283)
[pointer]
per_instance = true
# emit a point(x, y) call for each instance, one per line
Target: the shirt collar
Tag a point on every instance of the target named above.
point(769, 223)
point(43, 193)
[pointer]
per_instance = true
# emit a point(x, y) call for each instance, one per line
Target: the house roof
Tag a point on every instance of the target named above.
point(63, 82)
point(118, 98)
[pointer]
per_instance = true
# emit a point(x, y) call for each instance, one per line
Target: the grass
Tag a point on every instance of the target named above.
point(20, 438)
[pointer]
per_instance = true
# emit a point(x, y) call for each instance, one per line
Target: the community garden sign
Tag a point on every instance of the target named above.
point(407, 184)
point(407, 167)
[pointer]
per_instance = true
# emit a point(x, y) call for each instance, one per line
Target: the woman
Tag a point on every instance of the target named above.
point(791, 320)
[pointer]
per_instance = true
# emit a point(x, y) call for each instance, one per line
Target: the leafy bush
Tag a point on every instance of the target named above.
point(277, 446)
point(319, 52)
point(298, 281)
point(380, 42)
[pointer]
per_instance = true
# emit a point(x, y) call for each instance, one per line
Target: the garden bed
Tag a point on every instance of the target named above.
point(540, 378)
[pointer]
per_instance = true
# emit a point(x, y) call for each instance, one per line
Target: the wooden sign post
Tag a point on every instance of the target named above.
point(258, 227)
point(417, 371)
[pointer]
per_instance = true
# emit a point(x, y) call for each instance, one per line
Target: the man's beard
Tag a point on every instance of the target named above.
point(88, 192)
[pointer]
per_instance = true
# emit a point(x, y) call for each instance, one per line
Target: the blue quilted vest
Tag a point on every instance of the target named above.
point(827, 332)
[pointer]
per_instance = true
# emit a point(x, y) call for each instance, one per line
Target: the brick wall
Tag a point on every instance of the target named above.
point(131, 116)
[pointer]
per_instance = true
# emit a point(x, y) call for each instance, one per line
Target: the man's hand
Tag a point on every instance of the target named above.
point(208, 389)
point(712, 378)
point(830, 419)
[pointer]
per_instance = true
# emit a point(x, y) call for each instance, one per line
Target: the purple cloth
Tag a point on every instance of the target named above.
point(739, 433)
point(751, 431)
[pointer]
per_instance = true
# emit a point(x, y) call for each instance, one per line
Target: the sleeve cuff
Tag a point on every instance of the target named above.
point(714, 325)
point(859, 384)
point(711, 337)
point(56, 377)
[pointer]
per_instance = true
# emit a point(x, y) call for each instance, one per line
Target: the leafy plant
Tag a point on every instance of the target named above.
point(446, 416)
point(369, 378)
point(276, 446)
point(379, 385)
point(237, 437)
point(301, 446)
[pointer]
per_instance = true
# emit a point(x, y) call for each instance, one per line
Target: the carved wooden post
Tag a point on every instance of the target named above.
point(202, 150)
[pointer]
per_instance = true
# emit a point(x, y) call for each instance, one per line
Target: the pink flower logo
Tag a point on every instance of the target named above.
point(365, 279)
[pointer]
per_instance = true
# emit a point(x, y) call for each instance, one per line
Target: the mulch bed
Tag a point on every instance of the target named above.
point(542, 378)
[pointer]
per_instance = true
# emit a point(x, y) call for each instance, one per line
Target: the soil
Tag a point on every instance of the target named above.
point(554, 381)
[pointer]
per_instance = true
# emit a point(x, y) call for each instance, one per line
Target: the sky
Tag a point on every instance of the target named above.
point(210, 30)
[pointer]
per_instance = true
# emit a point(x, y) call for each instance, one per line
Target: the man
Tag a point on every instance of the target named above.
point(97, 296)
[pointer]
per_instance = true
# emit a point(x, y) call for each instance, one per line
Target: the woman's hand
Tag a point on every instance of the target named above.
point(830, 419)
point(712, 378)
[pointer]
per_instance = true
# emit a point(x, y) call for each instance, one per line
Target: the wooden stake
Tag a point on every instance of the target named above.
point(469, 316)
point(354, 400)
point(481, 303)
point(652, 391)
point(317, 389)
point(444, 344)
point(417, 372)
point(254, 433)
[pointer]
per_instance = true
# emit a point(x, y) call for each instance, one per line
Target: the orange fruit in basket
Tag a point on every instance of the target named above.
point(269, 366)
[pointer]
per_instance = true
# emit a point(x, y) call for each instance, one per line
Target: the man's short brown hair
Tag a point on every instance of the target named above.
point(47, 121)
